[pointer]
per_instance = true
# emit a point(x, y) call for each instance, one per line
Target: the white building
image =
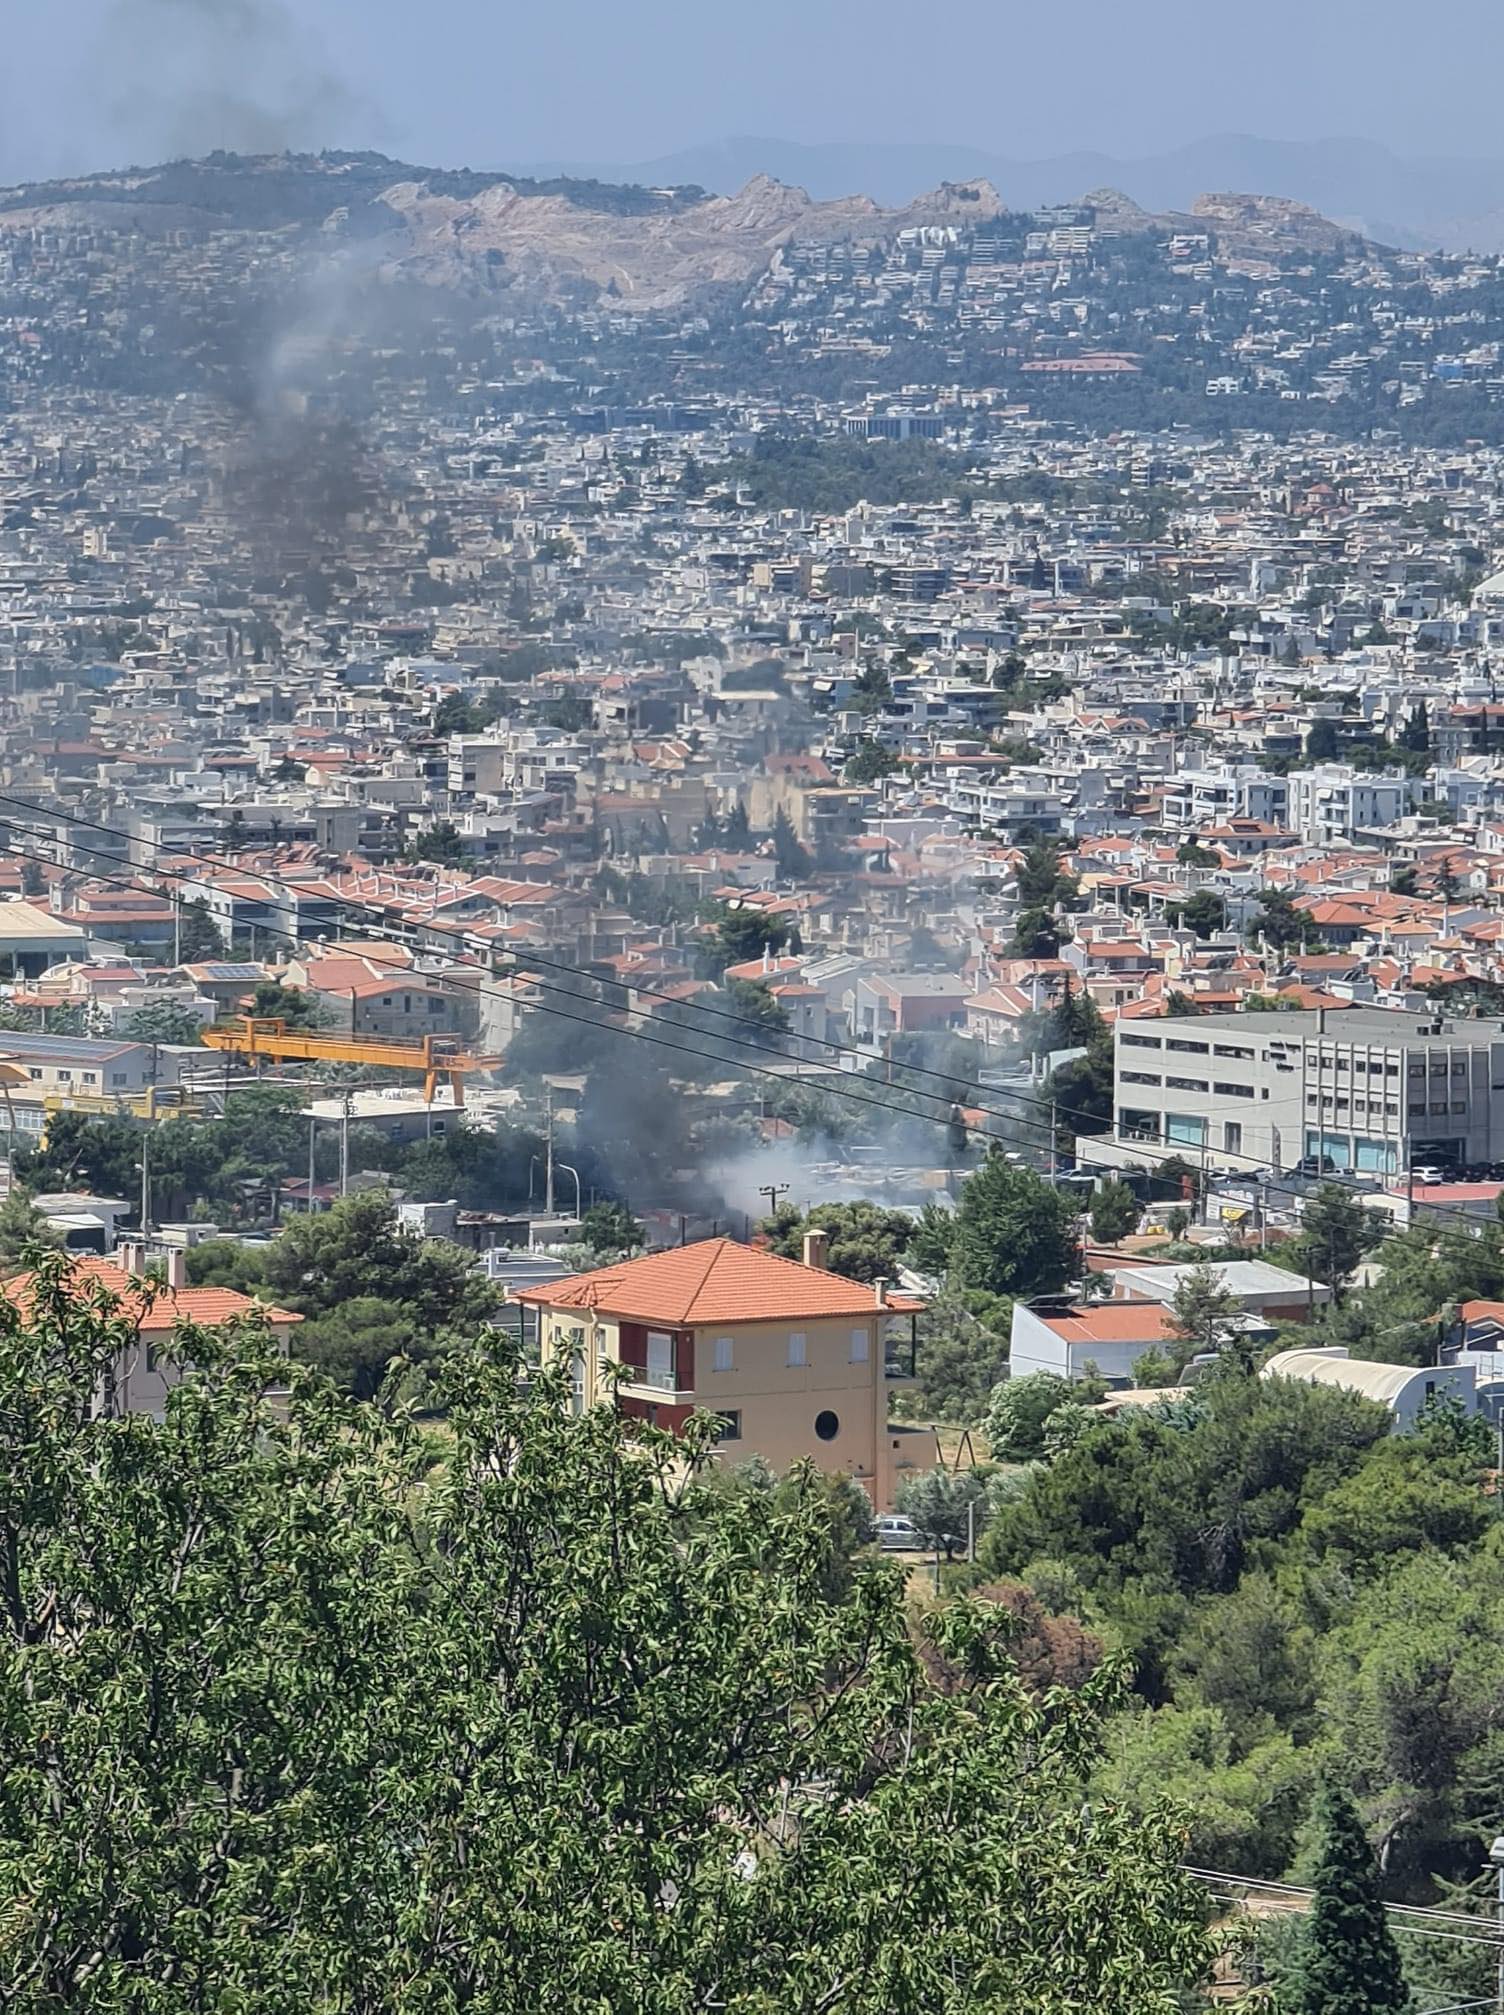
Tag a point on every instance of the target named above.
point(1334, 802)
point(1400, 1387)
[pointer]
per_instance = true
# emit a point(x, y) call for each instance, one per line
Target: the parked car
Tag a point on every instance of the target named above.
point(898, 1535)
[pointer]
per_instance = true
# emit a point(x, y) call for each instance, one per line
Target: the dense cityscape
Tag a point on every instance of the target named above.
point(753, 994)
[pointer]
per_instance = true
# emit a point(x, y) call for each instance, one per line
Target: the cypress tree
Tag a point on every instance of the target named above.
point(1350, 1965)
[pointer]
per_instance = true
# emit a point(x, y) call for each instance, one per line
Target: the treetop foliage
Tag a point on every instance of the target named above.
point(299, 1709)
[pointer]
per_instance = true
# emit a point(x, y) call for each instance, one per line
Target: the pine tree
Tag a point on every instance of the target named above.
point(1350, 1965)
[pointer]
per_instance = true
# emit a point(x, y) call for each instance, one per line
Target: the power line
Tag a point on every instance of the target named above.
point(1427, 1910)
point(481, 988)
point(465, 938)
point(526, 959)
point(1402, 1926)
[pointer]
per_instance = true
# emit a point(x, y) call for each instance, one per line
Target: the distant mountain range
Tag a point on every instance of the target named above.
point(1453, 203)
point(572, 240)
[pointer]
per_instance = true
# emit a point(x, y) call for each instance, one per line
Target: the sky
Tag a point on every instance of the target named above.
point(487, 83)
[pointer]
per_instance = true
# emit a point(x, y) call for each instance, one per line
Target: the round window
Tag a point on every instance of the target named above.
point(827, 1425)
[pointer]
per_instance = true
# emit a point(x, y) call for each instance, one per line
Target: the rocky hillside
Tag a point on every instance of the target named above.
point(561, 239)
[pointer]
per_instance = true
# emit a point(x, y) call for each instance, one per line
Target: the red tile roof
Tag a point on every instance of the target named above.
point(152, 1306)
point(714, 1281)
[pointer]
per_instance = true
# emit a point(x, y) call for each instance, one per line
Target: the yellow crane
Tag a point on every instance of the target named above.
point(268, 1036)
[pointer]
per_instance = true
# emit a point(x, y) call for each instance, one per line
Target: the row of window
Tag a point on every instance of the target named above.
point(117, 1078)
point(723, 1350)
point(1189, 1048)
point(1222, 1088)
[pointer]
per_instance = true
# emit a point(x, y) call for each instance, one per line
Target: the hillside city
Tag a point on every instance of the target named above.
point(871, 844)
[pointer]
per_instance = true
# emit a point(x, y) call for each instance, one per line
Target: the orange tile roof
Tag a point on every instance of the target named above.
point(713, 1281)
point(1123, 1322)
point(154, 1307)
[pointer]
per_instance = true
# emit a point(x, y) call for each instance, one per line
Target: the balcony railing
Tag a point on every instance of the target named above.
point(660, 1379)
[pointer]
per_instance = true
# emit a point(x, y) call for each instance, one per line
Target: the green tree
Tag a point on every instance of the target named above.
point(293, 1005)
point(1036, 935)
point(372, 1290)
point(1335, 1234)
point(1281, 923)
point(869, 762)
point(1040, 880)
point(162, 1021)
point(933, 1238)
point(741, 935)
point(610, 1227)
point(960, 1358)
point(1115, 1212)
point(1321, 741)
point(441, 842)
point(199, 936)
point(946, 1505)
point(866, 1242)
point(1205, 913)
point(1350, 1964)
point(1020, 1412)
point(23, 1228)
point(789, 854)
point(292, 1695)
point(752, 1002)
point(1015, 1233)
point(102, 1156)
point(1206, 1314)
point(455, 715)
point(1415, 735)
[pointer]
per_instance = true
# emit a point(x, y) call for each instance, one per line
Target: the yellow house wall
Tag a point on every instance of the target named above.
point(778, 1402)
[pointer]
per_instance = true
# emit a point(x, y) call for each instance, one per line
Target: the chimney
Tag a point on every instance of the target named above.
point(133, 1258)
point(817, 1249)
point(880, 1293)
point(177, 1269)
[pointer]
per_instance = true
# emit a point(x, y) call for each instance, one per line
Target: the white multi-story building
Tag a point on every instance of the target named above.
point(1368, 1089)
point(1334, 802)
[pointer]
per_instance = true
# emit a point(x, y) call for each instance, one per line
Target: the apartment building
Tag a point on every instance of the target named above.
point(1336, 802)
point(795, 1360)
point(1370, 1089)
point(1196, 799)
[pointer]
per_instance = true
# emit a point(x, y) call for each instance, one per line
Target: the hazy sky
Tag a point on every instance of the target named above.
point(93, 83)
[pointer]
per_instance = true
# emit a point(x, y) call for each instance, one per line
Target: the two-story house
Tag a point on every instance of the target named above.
point(795, 1360)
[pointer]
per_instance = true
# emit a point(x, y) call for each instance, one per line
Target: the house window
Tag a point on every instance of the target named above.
point(1185, 1127)
point(729, 1426)
point(798, 1350)
point(660, 1366)
point(723, 1353)
point(91, 1077)
point(861, 1345)
point(1232, 1136)
point(117, 1077)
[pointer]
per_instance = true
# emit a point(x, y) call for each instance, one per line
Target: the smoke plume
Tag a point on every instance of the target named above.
point(185, 77)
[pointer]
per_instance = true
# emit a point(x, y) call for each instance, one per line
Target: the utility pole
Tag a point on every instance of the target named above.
point(772, 1191)
point(177, 928)
point(1052, 1136)
point(344, 1143)
point(312, 1131)
point(548, 1159)
point(145, 1181)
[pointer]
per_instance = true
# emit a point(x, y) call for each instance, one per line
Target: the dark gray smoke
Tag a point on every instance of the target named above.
point(185, 77)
